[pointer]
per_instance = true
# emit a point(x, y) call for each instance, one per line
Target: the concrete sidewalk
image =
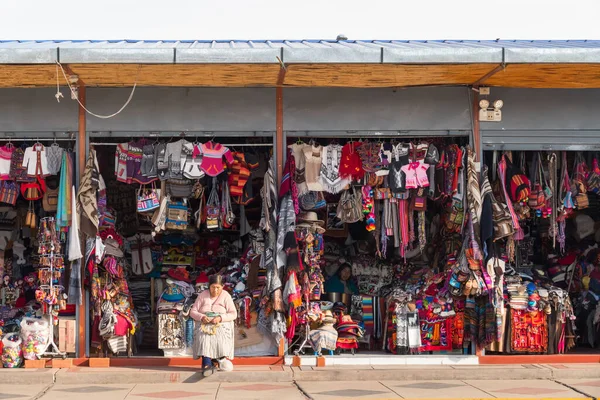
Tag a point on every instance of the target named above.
point(378, 389)
point(283, 374)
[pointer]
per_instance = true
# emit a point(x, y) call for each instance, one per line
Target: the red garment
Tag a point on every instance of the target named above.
point(351, 163)
point(122, 326)
point(212, 160)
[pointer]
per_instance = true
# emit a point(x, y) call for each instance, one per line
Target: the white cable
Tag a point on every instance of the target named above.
point(76, 97)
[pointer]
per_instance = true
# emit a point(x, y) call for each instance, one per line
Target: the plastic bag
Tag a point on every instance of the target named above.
point(34, 333)
point(12, 355)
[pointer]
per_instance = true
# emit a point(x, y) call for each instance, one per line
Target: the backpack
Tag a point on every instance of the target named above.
point(349, 208)
point(518, 185)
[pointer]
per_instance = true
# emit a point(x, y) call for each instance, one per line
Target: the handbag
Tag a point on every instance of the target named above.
point(537, 196)
point(312, 201)
point(177, 215)
point(418, 201)
point(227, 213)
point(180, 188)
point(349, 208)
point(213, 208)
point(148, 199)
point(200, 214)
point(580, 183)
point(594, 178)
point(9, 192)
point(159, 218)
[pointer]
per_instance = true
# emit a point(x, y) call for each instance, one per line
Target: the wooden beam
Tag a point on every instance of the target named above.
point(480, 81)
point(81, 156)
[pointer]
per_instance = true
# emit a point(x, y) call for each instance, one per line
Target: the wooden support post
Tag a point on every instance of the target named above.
point(81, 156)
point(279, 154)
point(476, 130)
point(279, 131)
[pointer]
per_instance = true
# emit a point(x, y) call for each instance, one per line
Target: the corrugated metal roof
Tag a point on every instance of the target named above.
point(300, 51)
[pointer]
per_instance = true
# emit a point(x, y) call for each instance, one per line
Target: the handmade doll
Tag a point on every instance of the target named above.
point(8, 292)
point(21, 300)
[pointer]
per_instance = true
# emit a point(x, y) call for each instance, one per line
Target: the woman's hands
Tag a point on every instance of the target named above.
point(214, 320)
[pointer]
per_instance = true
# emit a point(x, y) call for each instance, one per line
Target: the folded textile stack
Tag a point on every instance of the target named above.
point(348, 333)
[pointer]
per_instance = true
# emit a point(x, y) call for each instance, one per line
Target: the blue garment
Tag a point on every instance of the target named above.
point(336, 285)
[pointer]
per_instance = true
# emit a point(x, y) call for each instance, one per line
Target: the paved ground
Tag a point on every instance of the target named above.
point(454, 389)
point(562, 381)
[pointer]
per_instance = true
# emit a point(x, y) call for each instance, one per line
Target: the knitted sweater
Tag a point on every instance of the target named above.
point(222, 305)
point(212, 158)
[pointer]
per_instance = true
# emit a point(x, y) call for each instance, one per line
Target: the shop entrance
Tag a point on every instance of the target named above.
point(378, 231)
point(173, 210)
point(550, 263)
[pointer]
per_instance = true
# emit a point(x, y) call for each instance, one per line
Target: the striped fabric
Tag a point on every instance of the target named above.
point(403, 217)
point(368, 318)
point(502, 172)
point(475, 204)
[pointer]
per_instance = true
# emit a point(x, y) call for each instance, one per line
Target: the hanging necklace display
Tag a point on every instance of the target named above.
point(50, 293)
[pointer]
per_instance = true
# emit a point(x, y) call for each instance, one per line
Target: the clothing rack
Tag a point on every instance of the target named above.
point(37, 139)
point(224, 144)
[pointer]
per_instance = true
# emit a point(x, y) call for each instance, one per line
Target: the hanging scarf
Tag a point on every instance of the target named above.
point(286, 227)
point(502, 173)
point(411, 227)
point(87, 206)
point(421, 229)
point(64, 209)
point(288, 184)
point(75, 255)
point(268, 223)
point(330, 178)
point(473, 190)
point(403, 220)
point(299, 174)
point(553, 200)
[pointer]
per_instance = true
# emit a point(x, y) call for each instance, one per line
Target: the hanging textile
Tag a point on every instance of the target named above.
point(330, 178)
point(502, 173)
point(88, 204)
point(64, 210)
point(75, 255)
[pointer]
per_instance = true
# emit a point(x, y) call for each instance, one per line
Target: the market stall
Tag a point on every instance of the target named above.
point(170, 212)
point(39, 250)
point(382, 235)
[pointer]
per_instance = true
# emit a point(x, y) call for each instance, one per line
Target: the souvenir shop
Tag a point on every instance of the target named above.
point(39, 242)
point(543, 248)
point(411, 247)
point(161, 214)
point(375, 230)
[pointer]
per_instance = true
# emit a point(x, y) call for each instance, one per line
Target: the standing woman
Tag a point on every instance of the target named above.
point(214, 313)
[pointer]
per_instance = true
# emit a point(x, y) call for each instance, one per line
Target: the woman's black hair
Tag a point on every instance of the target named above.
point(215, 280)
point(343, 267)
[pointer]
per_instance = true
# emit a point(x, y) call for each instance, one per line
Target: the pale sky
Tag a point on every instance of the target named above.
point(306, 19)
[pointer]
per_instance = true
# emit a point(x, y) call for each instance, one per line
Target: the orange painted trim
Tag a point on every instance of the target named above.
point(540, 359)
point(175, 361)
point(81, 328)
